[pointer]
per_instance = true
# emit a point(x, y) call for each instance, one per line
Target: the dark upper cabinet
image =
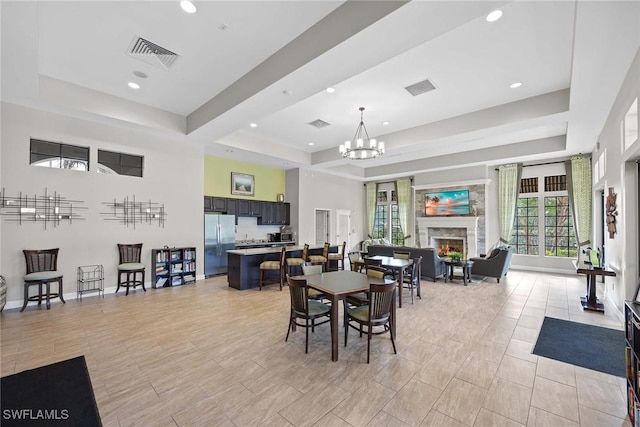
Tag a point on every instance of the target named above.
point(215, 204)
point(274, 213)
point(268, 213)
point(207, 204)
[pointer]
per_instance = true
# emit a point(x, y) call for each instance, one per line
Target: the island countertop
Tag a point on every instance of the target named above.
point(244, 264)
point(269, 250)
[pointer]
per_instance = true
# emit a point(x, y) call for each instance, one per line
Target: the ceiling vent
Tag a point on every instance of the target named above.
point(420, 87)
point(151, 53)
point(319, 123)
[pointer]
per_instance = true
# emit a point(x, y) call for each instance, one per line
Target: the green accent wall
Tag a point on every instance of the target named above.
point(269, 182)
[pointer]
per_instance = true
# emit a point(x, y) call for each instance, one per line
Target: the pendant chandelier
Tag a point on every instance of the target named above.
point(365, 147)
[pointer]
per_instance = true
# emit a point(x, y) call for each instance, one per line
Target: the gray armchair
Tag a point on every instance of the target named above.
point(496, 264)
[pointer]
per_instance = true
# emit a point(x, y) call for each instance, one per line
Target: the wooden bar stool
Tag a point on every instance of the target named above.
point(297, 262)
point(42, 268)
point(338, 258)
point(130, 266)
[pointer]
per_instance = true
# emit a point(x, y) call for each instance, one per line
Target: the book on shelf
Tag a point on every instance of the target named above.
point(189, 278)
point(160, 282)
point(632, 405)
point(629, 362)
point(176, 281)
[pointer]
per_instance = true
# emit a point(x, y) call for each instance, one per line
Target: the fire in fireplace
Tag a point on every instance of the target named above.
point(446, 246)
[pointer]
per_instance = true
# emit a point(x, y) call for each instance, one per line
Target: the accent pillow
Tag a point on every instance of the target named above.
point(493, 253)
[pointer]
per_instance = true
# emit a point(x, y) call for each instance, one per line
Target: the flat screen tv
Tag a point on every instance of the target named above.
point(447, 203)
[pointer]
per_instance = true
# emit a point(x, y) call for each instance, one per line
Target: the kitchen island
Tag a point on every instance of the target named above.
point(244, 264)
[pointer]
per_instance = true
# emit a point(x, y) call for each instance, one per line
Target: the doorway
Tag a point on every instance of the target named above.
point(343, 228)
point(322, 226)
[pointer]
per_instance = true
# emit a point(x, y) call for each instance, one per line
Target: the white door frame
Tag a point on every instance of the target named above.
point(324, 229)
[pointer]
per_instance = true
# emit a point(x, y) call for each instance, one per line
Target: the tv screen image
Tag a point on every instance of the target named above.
point(447, 203)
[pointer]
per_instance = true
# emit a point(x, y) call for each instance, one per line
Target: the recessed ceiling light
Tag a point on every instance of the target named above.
point(515, 85)
point(330, 90)
point(140, 74)
point(311, 143)
point(133, 85)
point(253, 125)
point(386, 123)
point(494, 16)
point(188, 6)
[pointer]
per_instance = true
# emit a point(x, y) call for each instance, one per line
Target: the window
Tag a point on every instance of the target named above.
point(119, 163)
point(56, 155)
point(559, 238)
point(559, 234)
point(387, 208)
point(525, 232)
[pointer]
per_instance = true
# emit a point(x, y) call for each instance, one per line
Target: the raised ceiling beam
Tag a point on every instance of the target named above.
point(338, 26)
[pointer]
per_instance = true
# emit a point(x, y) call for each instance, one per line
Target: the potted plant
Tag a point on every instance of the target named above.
point(455, 256)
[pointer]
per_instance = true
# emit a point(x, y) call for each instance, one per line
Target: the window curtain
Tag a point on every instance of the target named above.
point(372, 198)
point(508, 189)
point(403, 193)
point(579, 188)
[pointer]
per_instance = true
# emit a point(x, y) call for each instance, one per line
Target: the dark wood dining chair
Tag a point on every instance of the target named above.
point(305, 309)
point(42, 270)
point(130, 266)
point(376, 314)
point(411, 278)
point(308, 269)
point(274, 266)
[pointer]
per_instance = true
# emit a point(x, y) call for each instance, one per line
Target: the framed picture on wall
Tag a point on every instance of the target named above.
point(242, 184)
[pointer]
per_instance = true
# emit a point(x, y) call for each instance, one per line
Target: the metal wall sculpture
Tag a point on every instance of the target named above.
point(50, 209)
point(131, 212)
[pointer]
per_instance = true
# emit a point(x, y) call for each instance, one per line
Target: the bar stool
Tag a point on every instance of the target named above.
point(273, 266)
point(130, 266)
point(321, 259)
point(338, 258)
point(42, 268)
point(297, 262)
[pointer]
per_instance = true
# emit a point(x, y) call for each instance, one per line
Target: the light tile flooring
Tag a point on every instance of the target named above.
point(209, 355)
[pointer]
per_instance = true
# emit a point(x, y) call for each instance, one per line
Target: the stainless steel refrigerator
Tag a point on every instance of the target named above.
point(219, 237)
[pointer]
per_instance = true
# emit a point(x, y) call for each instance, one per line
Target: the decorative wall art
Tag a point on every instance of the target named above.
point(50, 209)
point(131, 212)
point(611, 213)
point(242, 184)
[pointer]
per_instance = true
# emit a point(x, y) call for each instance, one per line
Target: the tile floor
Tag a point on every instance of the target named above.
point(209, 355)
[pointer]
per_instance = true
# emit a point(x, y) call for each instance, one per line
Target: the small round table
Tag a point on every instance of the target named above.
point(464, 264)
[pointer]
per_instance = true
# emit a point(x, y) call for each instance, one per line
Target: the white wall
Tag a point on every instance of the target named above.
point(173, 175)
point(324, 191)
point(620, 173)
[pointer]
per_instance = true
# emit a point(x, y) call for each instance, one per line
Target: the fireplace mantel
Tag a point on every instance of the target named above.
point(470, 223)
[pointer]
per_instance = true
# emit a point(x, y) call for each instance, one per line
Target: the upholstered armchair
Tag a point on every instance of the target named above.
point(496, 264)
point(433, 266)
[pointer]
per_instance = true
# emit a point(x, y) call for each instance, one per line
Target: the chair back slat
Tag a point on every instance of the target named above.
point(380, 301)
point(305, 252)
point(129, 252)
point(41, 260)
point(299, 295)
point(325, 250)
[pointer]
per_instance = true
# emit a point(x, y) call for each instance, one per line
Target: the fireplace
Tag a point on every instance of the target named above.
point(463, 229)
point(444, 245)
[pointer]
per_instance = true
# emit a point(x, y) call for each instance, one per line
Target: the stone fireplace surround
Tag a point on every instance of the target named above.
point(469, 223)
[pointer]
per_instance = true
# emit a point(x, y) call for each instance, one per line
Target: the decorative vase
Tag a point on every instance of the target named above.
point(3, 292)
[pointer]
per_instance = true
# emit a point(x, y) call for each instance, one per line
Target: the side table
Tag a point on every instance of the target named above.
point(464, 264)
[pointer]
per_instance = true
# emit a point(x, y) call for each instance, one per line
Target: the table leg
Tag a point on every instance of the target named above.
point(392, 319)
point(400, 285)
point(590, 301)
point(464, 274)
point(334, 328)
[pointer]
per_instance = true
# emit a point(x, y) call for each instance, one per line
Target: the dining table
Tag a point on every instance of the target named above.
point(398, 265)
point(336, 285)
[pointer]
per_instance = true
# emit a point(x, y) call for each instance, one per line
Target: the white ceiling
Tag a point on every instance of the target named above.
point(269, 63)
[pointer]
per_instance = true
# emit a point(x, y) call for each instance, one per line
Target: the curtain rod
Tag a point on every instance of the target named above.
point(385, 182)
point(541, 164)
